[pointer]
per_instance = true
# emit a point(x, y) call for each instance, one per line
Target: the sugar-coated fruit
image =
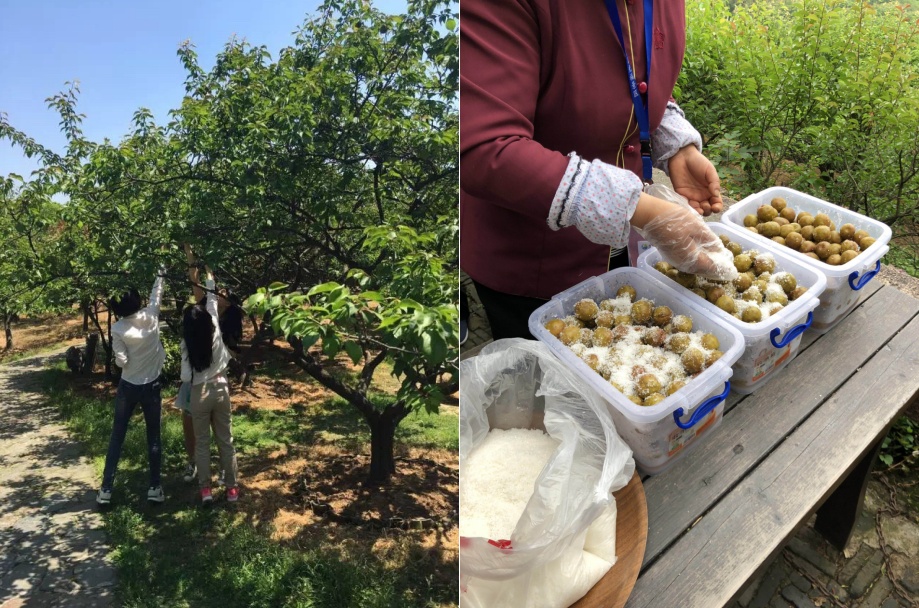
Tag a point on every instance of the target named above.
point(743, 262)
point(626, 290)
point(743, 282)
point(726, 303)
point(710, 341)
point(641, 312)
point(603, 336)
point(647, 384)
point(751, 314)
point(753, 295)
point(681, 323)
point(693, 360)
point(586, 310)
point(675, 386)
point(713, 293)
point(798, 292)
point(605, 318)
point(678, 343)
point(555, 326)
point(653, 399)
point(662, 315)
point(570, 335)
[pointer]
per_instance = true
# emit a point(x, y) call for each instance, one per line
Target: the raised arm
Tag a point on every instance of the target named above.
point(211, 292)
point(193, 274)
point(156, 294)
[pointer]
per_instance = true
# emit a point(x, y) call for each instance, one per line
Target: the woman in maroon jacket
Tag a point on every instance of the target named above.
point(553, 135)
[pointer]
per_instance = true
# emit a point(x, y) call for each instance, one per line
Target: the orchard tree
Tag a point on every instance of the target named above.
point(406, 313)
point(29, 223)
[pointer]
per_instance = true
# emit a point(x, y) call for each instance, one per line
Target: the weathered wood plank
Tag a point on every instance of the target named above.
point(681, 495)
point(807, 339)
point(710, 563)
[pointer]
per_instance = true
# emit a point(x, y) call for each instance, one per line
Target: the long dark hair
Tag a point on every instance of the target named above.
point(126, 304)
point(198, 331)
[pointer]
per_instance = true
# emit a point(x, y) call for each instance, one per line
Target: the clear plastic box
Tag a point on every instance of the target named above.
point(843, 283)
point(660, 434)
point(772, 343)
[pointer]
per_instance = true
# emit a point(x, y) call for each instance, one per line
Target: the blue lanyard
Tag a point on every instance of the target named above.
point(641, 110)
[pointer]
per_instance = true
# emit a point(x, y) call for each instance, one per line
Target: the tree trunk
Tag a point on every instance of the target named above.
point(84, 306)
point(92, 341)
point(8, 331)
point(382, 441)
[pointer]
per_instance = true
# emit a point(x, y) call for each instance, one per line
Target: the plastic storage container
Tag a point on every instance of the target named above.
point(662, 433)
point(772, 343)
point(843, 283)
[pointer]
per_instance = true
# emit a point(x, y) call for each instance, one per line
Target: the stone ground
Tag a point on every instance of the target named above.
point(878, 569)
point(53, 548)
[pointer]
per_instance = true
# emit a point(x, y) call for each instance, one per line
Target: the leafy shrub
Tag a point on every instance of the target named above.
point(820, 96)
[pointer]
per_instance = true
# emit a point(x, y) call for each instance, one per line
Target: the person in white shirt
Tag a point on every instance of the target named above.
point(140, 355)
point(204, 363)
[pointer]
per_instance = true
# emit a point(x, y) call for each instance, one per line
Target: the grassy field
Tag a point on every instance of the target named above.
point(178, 554)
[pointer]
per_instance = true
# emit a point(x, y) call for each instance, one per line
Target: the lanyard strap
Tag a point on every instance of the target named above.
point(641, 110)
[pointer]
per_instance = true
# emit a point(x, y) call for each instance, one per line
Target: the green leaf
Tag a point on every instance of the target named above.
point(323, 288)
point(354, 351)
point(887, 459)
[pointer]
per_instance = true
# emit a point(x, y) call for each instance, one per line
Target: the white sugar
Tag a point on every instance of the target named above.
point(493, 495)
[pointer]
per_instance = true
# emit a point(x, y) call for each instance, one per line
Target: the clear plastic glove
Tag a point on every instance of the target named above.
point(684, 240)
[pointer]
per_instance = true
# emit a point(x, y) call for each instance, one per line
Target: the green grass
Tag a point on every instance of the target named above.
point(177, 554)
point(903, 258)
point(30, 353)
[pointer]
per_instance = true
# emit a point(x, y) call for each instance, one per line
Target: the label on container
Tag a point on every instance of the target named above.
point(679, 438)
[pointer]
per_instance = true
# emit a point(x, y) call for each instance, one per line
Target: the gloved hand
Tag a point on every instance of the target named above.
point(683, 238)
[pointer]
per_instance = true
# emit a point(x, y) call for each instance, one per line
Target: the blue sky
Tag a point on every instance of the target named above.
point(124, 56)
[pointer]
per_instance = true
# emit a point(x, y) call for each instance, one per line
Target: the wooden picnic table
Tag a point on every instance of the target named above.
point(804, 443)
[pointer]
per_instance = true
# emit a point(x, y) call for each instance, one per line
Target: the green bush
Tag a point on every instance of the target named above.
point(820, 96)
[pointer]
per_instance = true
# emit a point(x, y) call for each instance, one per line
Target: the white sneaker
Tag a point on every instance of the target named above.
point(104, 497)
point(191, 473)
point(156, 494)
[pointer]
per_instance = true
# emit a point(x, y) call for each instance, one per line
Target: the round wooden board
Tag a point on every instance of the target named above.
point(631, 535)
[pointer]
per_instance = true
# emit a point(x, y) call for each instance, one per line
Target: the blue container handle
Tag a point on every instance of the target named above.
point(702, 410)
point(792, 333)
point(865, 277)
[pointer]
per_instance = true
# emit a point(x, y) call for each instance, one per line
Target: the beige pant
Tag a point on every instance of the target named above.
point(210, 407)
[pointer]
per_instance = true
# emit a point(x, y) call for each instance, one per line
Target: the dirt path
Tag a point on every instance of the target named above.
point(53, 549)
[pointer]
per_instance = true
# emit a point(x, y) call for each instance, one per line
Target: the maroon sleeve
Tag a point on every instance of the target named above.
point(500, 58)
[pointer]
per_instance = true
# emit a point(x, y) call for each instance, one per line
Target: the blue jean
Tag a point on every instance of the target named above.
point(128, 396)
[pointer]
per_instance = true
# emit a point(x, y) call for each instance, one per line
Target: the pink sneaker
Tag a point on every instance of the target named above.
point(206, 497)
point(232, 494)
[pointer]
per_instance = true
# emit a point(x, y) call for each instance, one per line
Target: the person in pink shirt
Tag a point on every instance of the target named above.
point(564, 107)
